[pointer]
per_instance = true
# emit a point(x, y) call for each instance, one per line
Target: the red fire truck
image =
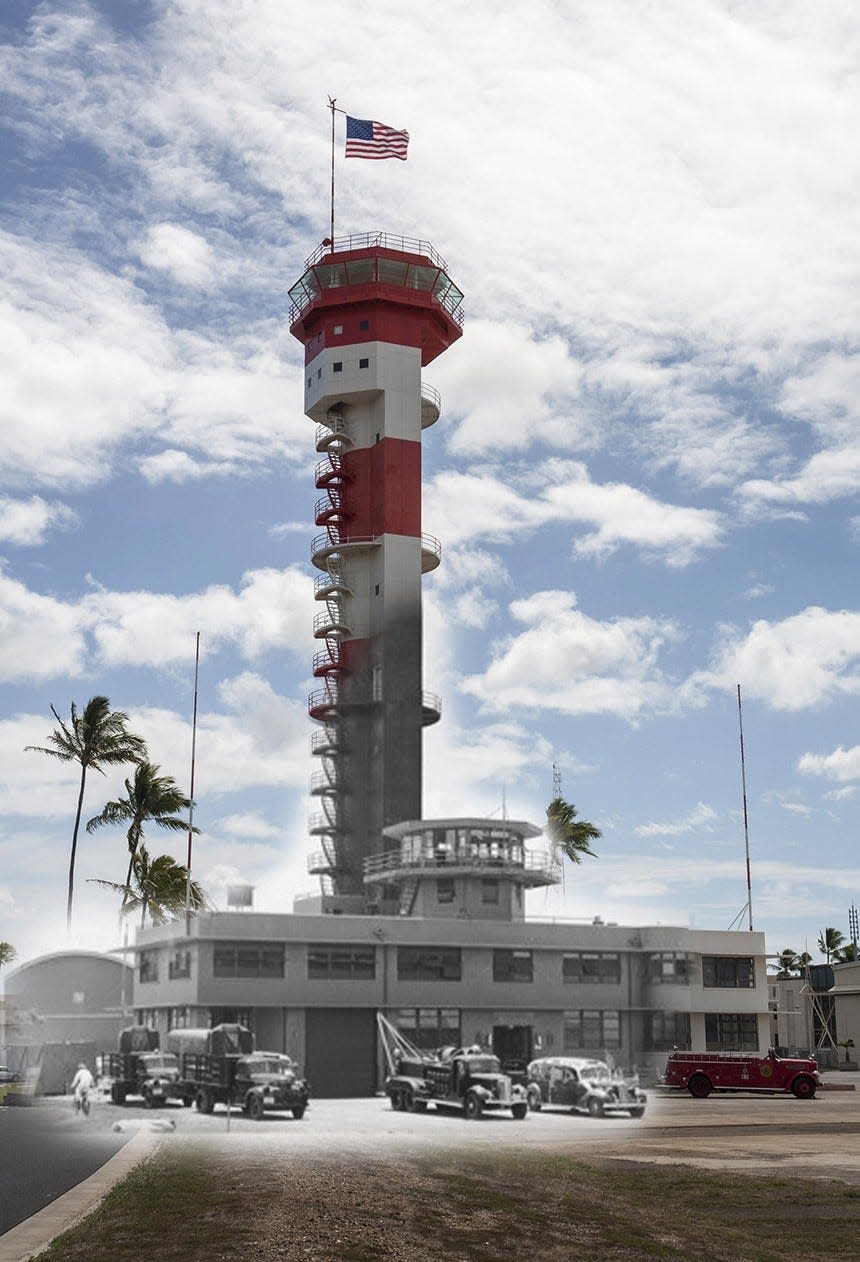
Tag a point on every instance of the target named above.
point(700, 1073)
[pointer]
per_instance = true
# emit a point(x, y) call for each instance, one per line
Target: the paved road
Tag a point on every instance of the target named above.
point(44, 1151)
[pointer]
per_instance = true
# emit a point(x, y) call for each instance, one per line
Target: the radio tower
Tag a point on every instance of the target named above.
point(371, 311)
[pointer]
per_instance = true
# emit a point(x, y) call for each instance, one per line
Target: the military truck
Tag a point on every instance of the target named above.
point(583, 1085)
point(467, 1079)
point(139, 1068)
point(220, 1066)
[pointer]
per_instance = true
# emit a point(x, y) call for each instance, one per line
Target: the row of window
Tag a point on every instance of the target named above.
point(446, 964)
point(337, 366)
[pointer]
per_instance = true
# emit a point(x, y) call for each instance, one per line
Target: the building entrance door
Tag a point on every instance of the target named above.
point(513, 1046)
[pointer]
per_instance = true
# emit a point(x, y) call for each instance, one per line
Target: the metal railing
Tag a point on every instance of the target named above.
point(392, 860)
point(432, 395)
point(385, 241)
point(431, 701)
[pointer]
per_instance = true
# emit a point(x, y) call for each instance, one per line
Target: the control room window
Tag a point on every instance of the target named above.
point(429, 964)
point(341, 963)
point(513, 966)
point(489, 891)
point(179, 965)
point(592, 1029)
point(364, 324)
point(731, 1032)
point(445, 889)
point(599, 967)
point(729, 972)
point(148, 966)
point(235, 960)
point(338, 328)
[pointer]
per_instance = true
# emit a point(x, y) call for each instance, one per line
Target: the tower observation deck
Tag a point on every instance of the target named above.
point(371, 312)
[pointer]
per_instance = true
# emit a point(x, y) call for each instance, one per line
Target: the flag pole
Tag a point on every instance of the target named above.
point(191, 794)
point(331, 104)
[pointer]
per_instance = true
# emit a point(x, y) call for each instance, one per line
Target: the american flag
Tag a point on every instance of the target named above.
point(367, 139)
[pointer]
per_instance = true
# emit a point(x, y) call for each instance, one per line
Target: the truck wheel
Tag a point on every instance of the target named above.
point(419, 1106)
point(803, 1087)
point(395, 1101)
point(534, 1098)
point(255, 1108)
point(186, 1102)
point(117, 1094)
point(637, 1113)
point(148, 1102)
point(204, 1102)
point(473, 1105)
point(699, 1087)
point(299, 1112)
point(595, 1108)
point(519, 1110)
point(408, 1102)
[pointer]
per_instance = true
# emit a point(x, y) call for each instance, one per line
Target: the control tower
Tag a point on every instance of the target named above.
point(371, 312)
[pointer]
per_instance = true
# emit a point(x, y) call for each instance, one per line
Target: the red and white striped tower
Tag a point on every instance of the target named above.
point(371, 311)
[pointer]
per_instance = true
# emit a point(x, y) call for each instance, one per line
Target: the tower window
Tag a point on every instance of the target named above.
point(377, 683)
point(310, 379)
point(363, 363)
point(377, 589)
point(319, 373)
point(364, 324)
point(489, 891)
point(338, 328)
point(337, 367)
point(377, 437)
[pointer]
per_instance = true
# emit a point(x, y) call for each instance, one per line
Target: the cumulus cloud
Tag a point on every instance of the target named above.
point(27, 523)
point(569, 662)
point(185, 256)
point(842, 764)
point(702, 816)
point(805, 660)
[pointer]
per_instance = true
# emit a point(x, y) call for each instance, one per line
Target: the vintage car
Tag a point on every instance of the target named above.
point(583, 1086)
point(700, 1073)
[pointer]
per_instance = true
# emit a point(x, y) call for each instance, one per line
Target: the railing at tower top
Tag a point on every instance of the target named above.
point(384, 240)
point(511, 862)
point(326, 271)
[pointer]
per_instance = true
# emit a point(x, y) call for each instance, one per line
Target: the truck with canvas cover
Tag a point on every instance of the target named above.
point(139, 1068)
point(220, 1066)
point(583, 1085)
point(467, 1079)
point(700, 1073)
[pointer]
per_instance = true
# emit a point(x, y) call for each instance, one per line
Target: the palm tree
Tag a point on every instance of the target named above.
point(567, 834)
point(158, 888)
point(149, 798)
point(95, 738)
point(787, 962)
point(847, 954)
point(829, 942)
point(7, 953)
point(803, 962)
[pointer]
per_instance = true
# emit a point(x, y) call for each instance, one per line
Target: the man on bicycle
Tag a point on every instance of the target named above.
point(82, 1084)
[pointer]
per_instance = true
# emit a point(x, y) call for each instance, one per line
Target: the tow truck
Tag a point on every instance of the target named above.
point(703, 1072)
point(467, 1079)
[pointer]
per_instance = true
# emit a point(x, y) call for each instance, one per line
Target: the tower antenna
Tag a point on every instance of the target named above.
point(746, 814)
point(191, 794)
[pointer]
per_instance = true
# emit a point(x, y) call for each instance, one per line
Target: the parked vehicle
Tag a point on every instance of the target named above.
point(700, 1073)
point(467, 1079)
point(583, 1086)
point(219, 1066)
point(139, 1068)
point(8, 1075)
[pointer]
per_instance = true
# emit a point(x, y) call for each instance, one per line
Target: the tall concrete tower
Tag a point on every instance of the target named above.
point(371, 312)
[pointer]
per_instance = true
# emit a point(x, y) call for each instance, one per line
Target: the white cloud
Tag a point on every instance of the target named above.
point(842, 764)
point(701, 816)
point(841, 795)
point(171, 465)
point(574, 664)
point(796, 808)
point(27, 523)
point(804, 660)
point(184, 255)
point(246, 824)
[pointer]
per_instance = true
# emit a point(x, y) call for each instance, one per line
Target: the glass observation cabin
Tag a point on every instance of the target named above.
point(451, 847)
point(377, 265)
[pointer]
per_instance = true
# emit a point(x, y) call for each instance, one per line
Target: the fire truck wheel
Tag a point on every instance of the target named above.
point(148, 1102)
point(395, 1101)
point(699, 1087)
point(803, 1087)
point(519, 1111)
point(187, 1102)
point(534, 1098)
point(117, 1094)
point(473, 1105)
point(255, 1108)
point(595, 1108)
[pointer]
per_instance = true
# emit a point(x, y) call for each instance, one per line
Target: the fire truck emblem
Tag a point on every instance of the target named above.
point(766, 1070)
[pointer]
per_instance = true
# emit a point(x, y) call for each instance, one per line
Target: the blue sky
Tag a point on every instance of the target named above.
point(645, 475)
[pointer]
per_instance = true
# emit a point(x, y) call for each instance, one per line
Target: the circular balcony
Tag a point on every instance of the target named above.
point(393, 866)
point(431, 405)
point(331, 583)
point(330, 473)
point(323, 547)
point(328, 743)
point(330, 623)
point(431, 553)
point(431, 708)
point(330, 509)
point(323, 704)
point(332, 438)
point(324, 664)
point(323, 786)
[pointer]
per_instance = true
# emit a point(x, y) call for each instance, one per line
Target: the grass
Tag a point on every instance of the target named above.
point(197, 1205)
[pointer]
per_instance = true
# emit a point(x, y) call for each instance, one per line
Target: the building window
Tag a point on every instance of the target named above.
point(665, 1031)
point(429, 964)
point(342, 963)
point(731, 1032)
point(430, 1027)
point(148, 970)
point(338, 328)
point(148, 1017)
point(490, 891)
point(731, 972)
point(668, 966)
point(364, 324)
point(179, 965)
point(232, 1016)
point(363, 363)
point(513, 966)
point(337, 366)
point(592, 966)
point(179, 1018)
point(377, 683)
point(310, 379)
point(319, 374)
point(233, 960)
point(445, 889)
point(592, 1029)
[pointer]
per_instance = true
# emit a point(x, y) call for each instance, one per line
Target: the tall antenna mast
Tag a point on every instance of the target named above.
point(556, 859)
point(746, 814)
point(191, 794)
